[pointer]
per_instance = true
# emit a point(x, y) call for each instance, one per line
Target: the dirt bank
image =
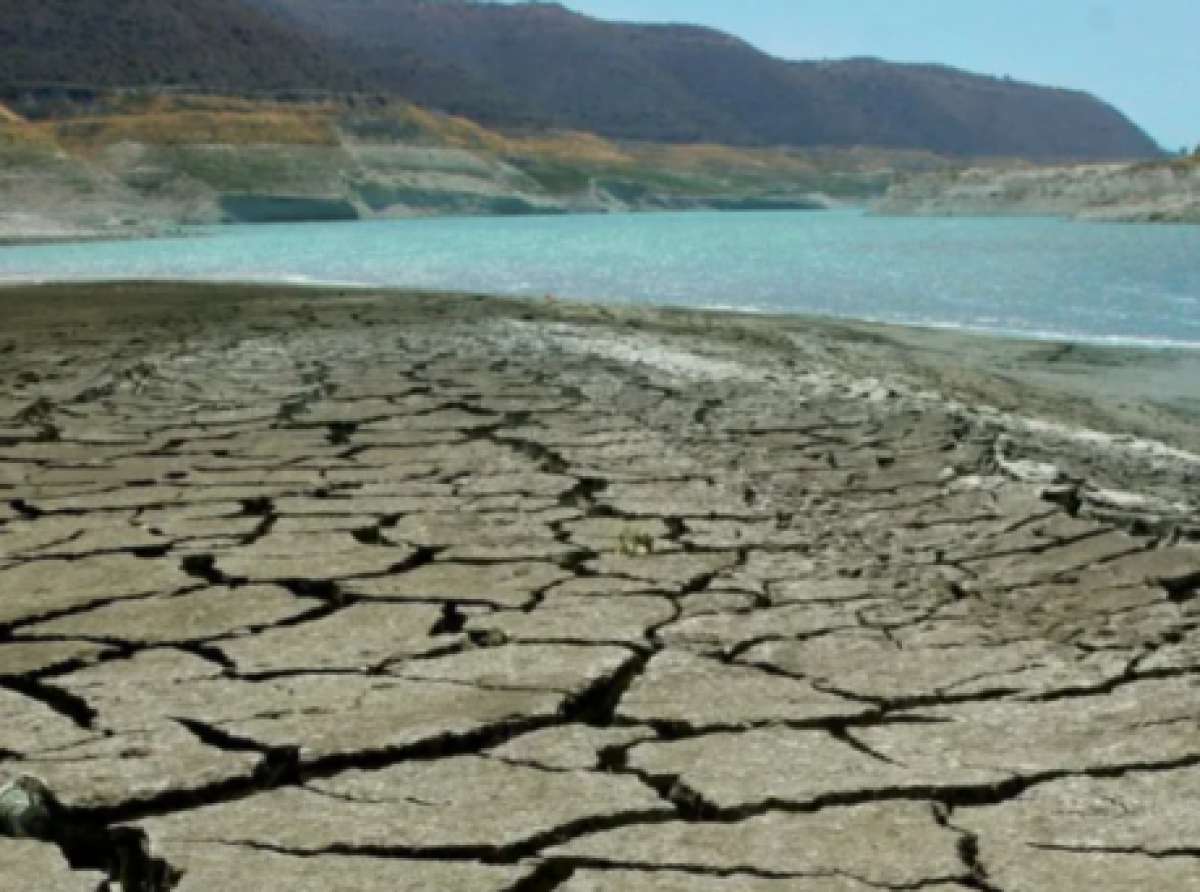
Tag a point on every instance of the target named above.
point(1137, 193)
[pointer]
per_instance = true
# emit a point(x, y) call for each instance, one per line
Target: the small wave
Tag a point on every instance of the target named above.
point(1144, 342)
point(733, 308)
point(295, 280)
point(316, 282)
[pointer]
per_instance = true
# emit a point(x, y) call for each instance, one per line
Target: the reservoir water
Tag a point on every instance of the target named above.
point(1031, 277)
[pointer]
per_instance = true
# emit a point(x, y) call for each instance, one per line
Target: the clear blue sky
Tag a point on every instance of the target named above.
point(1143, 56)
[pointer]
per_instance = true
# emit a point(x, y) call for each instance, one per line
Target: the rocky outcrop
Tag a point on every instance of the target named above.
point(1141, 193)
point(137, 188)
point(104, 163)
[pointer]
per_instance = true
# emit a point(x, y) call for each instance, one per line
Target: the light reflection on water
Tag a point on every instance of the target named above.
point(1042, 278)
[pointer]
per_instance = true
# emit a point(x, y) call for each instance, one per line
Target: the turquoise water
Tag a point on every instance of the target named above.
point(1041, 278)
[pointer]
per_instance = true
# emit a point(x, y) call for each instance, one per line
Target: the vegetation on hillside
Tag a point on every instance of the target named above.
point(18, 137)
point(213, 44)
point(163, 121)
point(523, 63)
point(530, 68)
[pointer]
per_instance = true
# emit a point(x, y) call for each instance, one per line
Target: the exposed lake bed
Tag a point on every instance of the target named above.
point(334, 584)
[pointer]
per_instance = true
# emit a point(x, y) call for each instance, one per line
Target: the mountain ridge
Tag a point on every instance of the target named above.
point(538, 67)
point(690, 83)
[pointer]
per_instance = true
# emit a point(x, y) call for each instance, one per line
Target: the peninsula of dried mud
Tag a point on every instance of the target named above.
point(303, 590)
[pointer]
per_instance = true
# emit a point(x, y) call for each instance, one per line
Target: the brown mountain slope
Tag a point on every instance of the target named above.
point(965, 114)
point(690, 84)
point(211, 44)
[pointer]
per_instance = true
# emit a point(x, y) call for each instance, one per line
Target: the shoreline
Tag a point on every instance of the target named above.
point(179, 230)
point(99, 237)
point(1158, 193)
point(1124, 390)
point(1008, 336)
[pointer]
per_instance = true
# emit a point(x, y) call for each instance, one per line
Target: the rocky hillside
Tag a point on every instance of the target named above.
point(530, 62)
point(542, 66)
point(957, 113)
point(212, 44)
point(140, 164)
point(1139, 193)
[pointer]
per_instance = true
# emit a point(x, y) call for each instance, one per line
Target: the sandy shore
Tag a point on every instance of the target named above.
point(306, 589)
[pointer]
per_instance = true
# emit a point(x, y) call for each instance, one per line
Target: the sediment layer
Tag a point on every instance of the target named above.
point(301, 590)
point(1120, 193)
point(129, 166)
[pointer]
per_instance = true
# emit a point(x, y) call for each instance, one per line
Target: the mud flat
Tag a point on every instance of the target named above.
point(301, 590)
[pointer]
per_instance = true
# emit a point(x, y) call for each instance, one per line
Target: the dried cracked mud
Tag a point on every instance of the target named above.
point(301, 591)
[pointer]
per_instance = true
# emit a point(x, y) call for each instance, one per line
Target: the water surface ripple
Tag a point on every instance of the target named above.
point(1033, 277)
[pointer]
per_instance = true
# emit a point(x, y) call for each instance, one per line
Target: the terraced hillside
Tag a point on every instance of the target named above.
point(137, 163)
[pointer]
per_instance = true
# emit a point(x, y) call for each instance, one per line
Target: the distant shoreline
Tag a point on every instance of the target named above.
point(92, 238)
point(818, 204)
point(1143, 193)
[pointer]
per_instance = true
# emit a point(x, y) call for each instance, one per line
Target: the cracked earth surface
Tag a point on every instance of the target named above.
point(431, 593)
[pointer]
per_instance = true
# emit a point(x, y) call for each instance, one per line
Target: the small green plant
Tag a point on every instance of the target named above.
point(636, 543)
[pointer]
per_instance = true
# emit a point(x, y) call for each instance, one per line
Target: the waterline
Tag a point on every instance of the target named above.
point(1032, 278)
